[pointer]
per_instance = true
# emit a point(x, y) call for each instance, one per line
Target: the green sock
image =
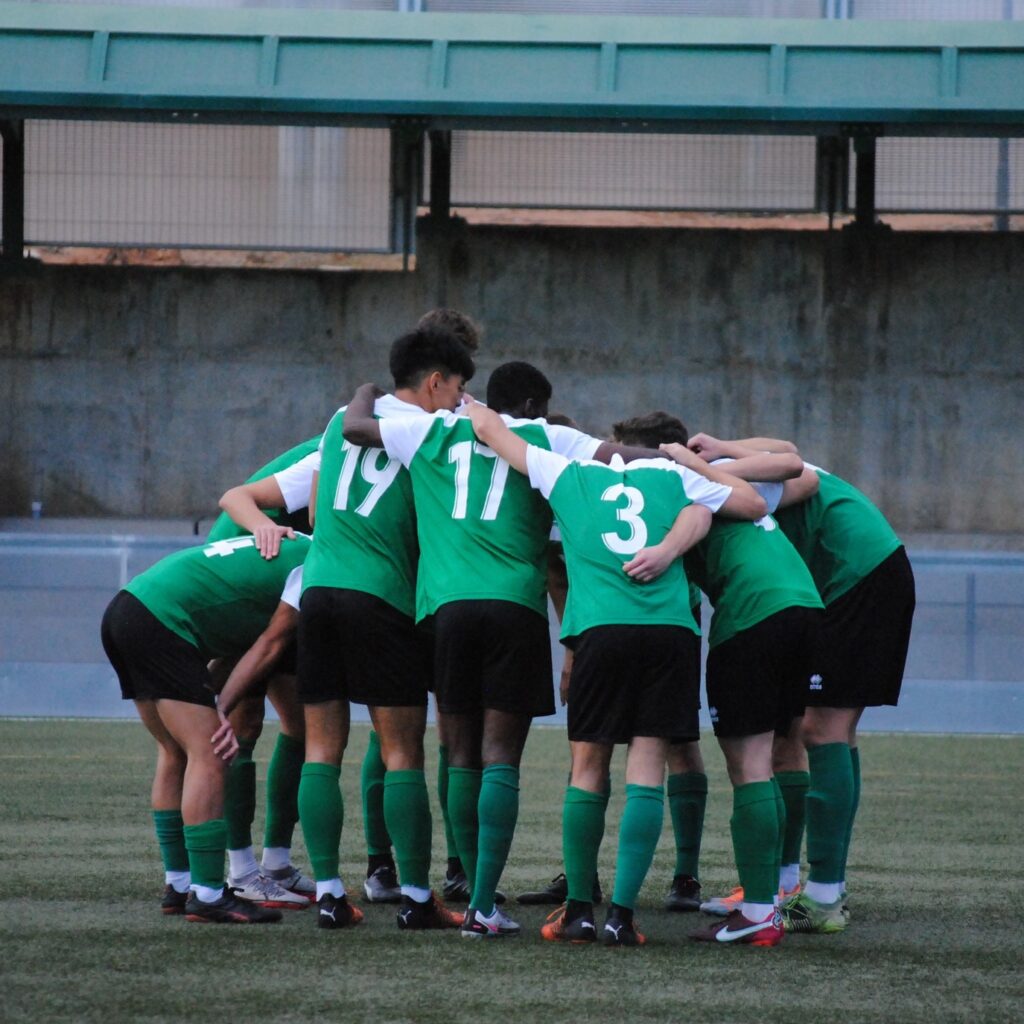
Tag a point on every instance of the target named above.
point(780, 821)
point(442, 799)
point(497, 812)
point(407, 812)
point(829, 810)
point(755, 840)
point(855, 763)
point(206, 844)
point(321, 811)
point(170, 835)
point(582, 832)
point(371, 781)
point(794, 787)
point(240, 797)
point(463, 800)
point(687, 799)
point(638, 836)
point(283, 775)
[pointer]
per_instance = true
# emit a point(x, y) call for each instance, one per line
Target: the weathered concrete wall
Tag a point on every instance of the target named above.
point(896, 362)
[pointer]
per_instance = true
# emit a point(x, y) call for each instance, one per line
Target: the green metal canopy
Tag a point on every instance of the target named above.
point(443, 71)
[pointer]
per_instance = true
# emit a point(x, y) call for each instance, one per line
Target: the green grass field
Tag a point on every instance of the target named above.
point(935, 891)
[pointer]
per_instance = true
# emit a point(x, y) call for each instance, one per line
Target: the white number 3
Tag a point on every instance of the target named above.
point(630, 515)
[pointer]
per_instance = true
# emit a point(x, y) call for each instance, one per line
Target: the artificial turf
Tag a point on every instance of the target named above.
point(935, 892)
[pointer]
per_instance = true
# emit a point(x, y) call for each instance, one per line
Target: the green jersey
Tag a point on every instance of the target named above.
point(483, 530)
point(294, 471)
point(749, 571)
point(365, 537)
point(220, 597)
point(840, 534)
point(606, 514)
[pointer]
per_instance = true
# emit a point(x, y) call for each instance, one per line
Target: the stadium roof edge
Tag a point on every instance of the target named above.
point(511, 71)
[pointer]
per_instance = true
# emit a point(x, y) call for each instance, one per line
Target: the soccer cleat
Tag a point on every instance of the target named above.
point(229, 909)
point(498, 926)
point(265, 892)
point(620, 932)
point(557, 892)
point(722, 906)
point(426, 916)
point(684, 896)
point(292, 879)
point(736, 928)
point(336, 912)
point(173, 901)
point(381, 886)
point(579, 931)
point(456, 889)
point(800, 913)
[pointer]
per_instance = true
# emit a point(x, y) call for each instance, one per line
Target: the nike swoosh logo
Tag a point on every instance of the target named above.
point(725, 935)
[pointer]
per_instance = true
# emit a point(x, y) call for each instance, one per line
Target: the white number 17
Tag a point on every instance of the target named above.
point(462, 455)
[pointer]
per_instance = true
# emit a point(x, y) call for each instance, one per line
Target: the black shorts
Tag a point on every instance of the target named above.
point(151, 661)
point(634, 681)
point(492, 654)
point(865, 638)
point(354, 646)
point(757, 679)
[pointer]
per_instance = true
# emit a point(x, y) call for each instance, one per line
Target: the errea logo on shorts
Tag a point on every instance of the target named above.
point(816, 682)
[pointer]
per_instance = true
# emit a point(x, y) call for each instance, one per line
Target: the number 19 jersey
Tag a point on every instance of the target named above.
point(365, 535)
point(483, 530)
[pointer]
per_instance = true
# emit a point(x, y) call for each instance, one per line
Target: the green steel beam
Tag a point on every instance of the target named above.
point(443, 71)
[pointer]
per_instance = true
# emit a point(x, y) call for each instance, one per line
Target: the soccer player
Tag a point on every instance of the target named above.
point(865, 580)
point(624, 624)
point(160, 632)
point(483, 546)
point(359, 640)
point(762, 653)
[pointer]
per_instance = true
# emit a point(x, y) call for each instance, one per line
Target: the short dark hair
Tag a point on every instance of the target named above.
point(421, 352)
point(451, 320)
point(560, 419)
point(512, 385)
point(650, 430)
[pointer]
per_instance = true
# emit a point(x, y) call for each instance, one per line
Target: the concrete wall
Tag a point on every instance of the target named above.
point(895, 361)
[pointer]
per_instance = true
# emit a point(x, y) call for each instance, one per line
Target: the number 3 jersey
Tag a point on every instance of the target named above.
point(365, 536)
point(220, 597)
point(606, 514)
point(483, 530)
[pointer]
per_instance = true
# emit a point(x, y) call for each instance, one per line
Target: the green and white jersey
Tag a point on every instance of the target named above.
point(606, 515)
point(293, 470)
point(749, 571)
point(839, 533)
point(365, 536)
point(220, 597)
point(483, 530)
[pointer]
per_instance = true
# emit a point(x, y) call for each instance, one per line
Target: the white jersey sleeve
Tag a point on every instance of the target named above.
point(571, 443)
point(702, 491)
point(403, 435)
point(293, 588)
point(296, 480)
point(544, 468)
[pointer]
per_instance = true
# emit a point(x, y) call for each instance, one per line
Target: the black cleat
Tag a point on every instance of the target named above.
point(556, 892)
point(620, 928)
point(336, 912)
point(381, 886)
point(426, 916)
point(173, 901)
point(229, 909)
point(456, 889)
point(581, 930)
point(684, 896)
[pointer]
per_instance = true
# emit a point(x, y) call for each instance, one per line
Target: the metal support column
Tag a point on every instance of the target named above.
point(832, 176)
point(13, 212)
point(440, 175)
point(864, 207)
point(406, 184)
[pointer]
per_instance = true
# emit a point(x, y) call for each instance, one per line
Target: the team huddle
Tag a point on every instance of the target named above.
point(413, 548)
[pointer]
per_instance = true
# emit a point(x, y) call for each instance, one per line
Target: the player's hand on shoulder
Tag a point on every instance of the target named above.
point(268, 539)
point(371, 389)
point(707, 447)
point(679, 453)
